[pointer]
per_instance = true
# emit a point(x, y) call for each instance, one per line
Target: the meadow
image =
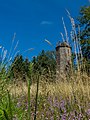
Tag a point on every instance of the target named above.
point(64, 99)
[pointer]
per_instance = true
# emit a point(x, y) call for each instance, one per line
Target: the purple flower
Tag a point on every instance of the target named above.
point(63, 117)
point(88, 112)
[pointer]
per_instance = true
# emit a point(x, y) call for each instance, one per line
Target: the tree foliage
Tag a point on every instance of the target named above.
point(45, 63)
point(19, 68)
point(84, 23)
point(84, 35)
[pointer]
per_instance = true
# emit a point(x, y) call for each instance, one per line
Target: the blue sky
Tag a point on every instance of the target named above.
point(35, 20)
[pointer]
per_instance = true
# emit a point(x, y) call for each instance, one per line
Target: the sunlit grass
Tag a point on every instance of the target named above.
point(75, 90)
point(80, 86)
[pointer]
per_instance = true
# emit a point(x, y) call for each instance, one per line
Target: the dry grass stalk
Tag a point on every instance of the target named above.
point(48, 42)
point(74, 38)
point(62, 37)
point(11, 46)
point(65, 30)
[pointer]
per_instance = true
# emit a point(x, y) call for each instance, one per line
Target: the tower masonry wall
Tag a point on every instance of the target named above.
point(63, 58)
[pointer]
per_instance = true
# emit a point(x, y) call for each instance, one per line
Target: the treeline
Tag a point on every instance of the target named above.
point(44, 64)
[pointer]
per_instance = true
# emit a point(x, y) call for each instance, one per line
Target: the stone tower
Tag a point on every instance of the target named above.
point(63, 57)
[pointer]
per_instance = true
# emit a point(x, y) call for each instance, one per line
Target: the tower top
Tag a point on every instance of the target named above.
point(63, 44)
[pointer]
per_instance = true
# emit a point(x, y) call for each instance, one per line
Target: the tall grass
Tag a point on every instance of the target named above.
point(10, 105)
point(29, 109)
point(75, 93)
point(36, 99)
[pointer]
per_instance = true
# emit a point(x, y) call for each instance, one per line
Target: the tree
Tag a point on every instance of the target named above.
point(20, 68)
point(84, 23)
point(84, 35)
point(45, 63)
point(26, 67)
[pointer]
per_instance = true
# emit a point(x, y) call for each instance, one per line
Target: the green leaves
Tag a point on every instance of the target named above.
point(45, 62)
point(84, 22)
point(20, 68)
point(3, 114)
point(84, 16)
